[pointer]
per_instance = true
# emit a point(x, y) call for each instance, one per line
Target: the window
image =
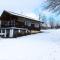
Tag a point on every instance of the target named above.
point(36, 25)
point(3, 30)
point(28, 23)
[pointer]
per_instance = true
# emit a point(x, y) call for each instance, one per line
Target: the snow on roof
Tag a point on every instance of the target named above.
point(13, 13)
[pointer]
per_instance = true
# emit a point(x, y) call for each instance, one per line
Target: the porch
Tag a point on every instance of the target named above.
point(13, 32)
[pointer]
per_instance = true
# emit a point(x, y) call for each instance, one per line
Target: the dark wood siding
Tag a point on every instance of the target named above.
point(10, 20)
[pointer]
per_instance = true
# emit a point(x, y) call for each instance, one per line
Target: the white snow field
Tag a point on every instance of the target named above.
point(41, 46)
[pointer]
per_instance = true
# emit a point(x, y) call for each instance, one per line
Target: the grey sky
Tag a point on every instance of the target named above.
point(19, 5)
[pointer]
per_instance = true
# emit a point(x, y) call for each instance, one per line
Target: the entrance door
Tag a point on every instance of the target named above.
point(7, 32)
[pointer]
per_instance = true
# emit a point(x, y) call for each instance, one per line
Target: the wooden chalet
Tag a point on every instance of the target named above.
point(14, 25)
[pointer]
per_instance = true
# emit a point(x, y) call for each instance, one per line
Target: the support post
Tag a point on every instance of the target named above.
point(11, 33)
point(0, 23)
point(5, 33)
point(1, 30)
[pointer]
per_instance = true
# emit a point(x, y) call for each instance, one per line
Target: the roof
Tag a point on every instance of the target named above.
point(19, 15)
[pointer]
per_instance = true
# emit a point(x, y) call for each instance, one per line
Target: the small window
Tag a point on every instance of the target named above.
point(37, 25)
point(28, 23)
point(3, 31)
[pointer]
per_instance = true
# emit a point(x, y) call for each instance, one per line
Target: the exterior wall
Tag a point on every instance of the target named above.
point(20, 24)
point(5, 23)
point(10, 20)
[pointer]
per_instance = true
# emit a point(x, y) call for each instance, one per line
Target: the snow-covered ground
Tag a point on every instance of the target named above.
point(41, 46)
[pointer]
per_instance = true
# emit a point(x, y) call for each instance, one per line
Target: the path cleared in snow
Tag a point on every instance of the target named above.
point(41, 46)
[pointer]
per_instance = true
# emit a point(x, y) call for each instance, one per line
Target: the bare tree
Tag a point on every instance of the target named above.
point(51, 21)
point(44, 19)
point(53, 5)
point(57, 25)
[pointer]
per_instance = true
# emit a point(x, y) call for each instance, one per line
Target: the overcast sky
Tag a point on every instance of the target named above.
point(20, 6)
